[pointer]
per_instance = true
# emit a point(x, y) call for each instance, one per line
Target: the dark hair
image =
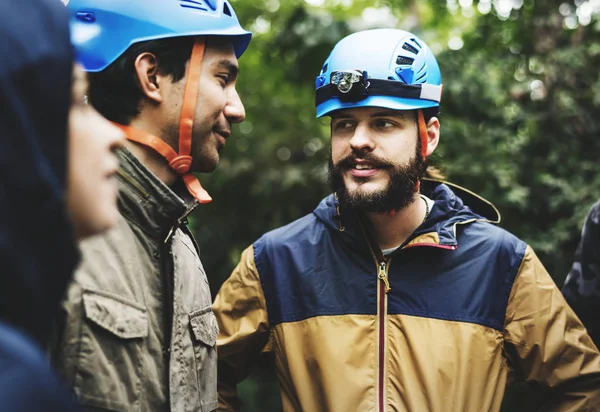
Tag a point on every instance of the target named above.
point(433, 172)
point(115, 92)
point(431, 112)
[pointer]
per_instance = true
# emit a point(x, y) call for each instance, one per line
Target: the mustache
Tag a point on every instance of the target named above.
point(376, 161)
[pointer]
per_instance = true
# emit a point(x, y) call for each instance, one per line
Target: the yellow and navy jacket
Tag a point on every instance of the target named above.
point(444, 323)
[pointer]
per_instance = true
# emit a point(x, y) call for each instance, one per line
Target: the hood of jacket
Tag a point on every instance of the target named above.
point(37, 250)
point(453, 205)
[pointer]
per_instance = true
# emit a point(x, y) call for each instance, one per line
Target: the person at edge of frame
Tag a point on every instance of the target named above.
point(582, 286)
point(54, 147)
point(398, 292)
point(136, 330)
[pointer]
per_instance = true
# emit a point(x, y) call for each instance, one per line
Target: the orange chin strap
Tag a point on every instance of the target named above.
point(182, 161)
point(422, 126)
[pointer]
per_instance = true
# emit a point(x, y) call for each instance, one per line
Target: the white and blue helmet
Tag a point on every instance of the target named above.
point(387, 68)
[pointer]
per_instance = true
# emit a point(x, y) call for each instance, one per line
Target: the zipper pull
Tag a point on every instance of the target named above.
point(383, 276)
point(171, 231)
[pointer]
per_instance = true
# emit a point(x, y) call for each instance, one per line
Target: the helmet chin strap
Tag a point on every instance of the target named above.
point(422, 128)
point(182, 161)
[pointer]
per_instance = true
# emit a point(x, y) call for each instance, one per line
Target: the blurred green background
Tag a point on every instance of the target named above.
point(519, 124)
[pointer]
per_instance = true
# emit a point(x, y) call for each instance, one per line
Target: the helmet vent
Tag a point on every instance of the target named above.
point(212, 4)
point(226, 9)
point(324, 69)
point(191, 4)
point(404, 60)
point(410, 48)
point(416, 42)
point(422, 74)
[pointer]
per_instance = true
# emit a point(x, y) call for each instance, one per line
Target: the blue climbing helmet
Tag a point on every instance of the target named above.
point(102, 30)
point(387, 68)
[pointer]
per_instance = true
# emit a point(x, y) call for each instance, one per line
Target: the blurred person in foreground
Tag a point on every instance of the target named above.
point(398, 292)
point(52, 148)
point(136, 330)
point(582, 286)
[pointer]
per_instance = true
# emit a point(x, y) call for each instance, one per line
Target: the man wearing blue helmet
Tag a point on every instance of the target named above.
point(398, 293)
point(136, 331)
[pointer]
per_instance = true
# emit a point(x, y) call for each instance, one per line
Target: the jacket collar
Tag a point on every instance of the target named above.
point(147, 201)
point(453, 206)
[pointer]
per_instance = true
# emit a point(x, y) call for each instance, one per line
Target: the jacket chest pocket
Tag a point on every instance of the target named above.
point(204, 335)
point(110, 354)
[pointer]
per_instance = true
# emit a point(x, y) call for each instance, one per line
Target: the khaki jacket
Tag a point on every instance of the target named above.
point(443, 324)
point(136, 331)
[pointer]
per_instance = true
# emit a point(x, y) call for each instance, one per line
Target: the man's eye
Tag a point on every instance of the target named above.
point(342, 125)
point(384, 124)
point(224, 79)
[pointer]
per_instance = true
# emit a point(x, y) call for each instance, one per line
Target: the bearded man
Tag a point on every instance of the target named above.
point(398, 292)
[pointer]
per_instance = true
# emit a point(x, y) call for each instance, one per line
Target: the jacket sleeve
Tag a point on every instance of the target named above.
point(241, 312)
point(546, 343)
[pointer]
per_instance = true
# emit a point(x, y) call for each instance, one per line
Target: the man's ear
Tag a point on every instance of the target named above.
point(149, 80)
point(433, 135)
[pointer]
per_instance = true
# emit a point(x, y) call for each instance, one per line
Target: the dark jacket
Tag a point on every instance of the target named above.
point(37, 250)
point(469, 308)
point(582, 286)
point(27, 384)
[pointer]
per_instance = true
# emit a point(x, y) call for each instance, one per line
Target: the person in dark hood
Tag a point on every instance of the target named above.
point(41, 200)
point(38, 252)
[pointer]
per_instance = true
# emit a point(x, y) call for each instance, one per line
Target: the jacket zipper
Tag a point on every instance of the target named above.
point(384, 288)
point(383, 276)
point(382, 265)
point(166, 270)
point(168, 275)
point(181, 221)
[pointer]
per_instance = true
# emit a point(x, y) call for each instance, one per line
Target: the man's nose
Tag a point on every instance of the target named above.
point(362, 140)
point(234, 109)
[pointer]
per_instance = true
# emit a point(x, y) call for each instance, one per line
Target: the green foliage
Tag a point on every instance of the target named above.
point(518, 124)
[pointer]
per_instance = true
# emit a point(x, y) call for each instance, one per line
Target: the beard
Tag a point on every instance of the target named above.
point(399, 192)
